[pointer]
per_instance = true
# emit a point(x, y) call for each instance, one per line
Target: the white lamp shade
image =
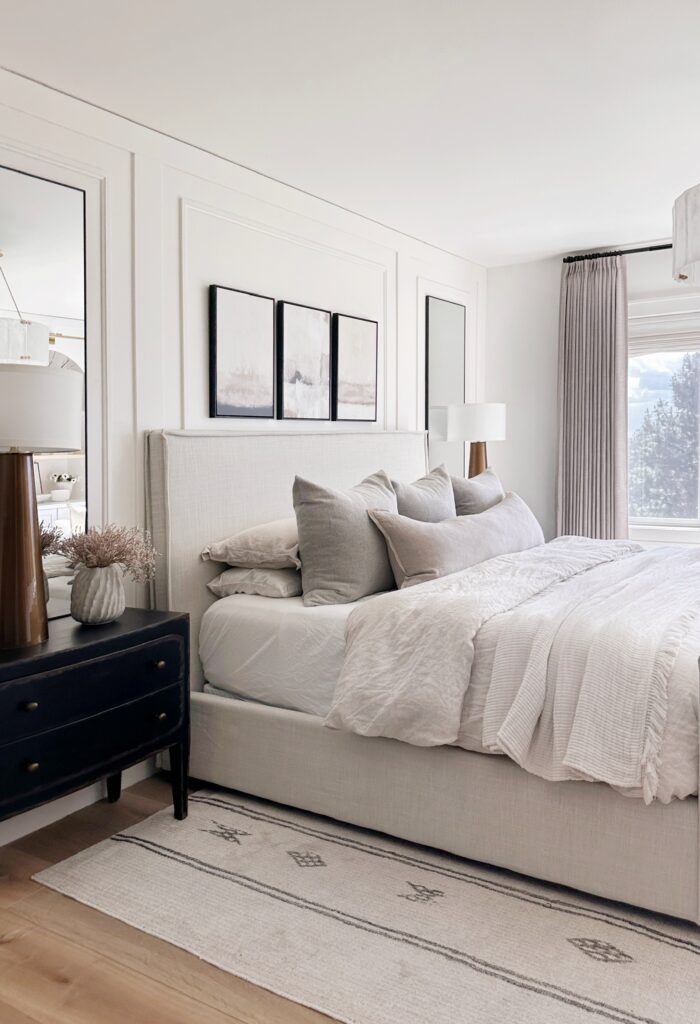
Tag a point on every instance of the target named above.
point(24, 343)
point(41, 408)
point(479, 421)
point(686, 236)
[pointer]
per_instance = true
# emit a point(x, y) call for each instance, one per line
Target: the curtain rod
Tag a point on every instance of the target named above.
point(616, 252)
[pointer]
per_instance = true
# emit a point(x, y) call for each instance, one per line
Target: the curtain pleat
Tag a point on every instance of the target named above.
point(592, 399)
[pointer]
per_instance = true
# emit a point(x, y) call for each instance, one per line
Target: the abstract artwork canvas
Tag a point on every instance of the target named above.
point(355, 368)
point(241, 353)
point(303, 362)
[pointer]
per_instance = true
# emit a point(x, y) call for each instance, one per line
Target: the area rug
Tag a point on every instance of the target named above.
point(374, 931)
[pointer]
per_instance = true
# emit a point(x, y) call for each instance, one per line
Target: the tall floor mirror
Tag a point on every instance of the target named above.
point(42, 321)
point(445, 359)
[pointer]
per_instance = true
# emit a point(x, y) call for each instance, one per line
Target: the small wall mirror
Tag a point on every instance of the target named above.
point(445, 355)
point(42, 282)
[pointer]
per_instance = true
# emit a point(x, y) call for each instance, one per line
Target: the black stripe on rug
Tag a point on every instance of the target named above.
point(452, 954)
point(512, 891)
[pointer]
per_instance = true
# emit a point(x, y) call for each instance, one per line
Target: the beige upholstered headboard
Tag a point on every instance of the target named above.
point(202, 487)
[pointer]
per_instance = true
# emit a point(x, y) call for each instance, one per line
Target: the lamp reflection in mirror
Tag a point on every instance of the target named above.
point(686, 236)
point(41, 410)
point(477, 422)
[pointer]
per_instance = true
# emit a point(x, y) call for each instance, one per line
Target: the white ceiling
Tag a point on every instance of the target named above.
point(41, 237)
point(502, 131)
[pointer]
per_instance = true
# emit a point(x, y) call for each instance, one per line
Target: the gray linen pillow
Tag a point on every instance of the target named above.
point(272, 545)
point(477, 493)
point(262, 582)
point(430, 499)
point(425, 551)
point(343, 555)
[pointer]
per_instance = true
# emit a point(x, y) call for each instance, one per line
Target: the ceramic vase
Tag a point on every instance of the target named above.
point(97, 595)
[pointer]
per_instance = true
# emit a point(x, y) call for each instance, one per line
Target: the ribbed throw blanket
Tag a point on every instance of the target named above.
point(579, 681)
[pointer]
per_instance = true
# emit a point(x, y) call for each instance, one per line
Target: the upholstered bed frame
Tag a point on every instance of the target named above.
point(205, 486)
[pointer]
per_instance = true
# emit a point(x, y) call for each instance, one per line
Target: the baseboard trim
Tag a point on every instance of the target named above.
point(47, 814)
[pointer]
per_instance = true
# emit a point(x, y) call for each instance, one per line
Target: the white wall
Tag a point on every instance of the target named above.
point(650, 275)
point(521, 370)
point(165, 220)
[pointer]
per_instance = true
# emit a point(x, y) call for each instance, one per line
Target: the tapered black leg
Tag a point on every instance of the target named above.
point(114, 787)
point(179, 763)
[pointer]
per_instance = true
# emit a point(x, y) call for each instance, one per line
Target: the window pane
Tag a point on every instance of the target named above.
point(663, 435)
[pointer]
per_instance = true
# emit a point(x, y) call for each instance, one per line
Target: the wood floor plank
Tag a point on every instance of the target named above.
point(161, 961)
point(56, 981)
point(10, 1015)
point(85, 828)
point(65, 952)
point(16, 870)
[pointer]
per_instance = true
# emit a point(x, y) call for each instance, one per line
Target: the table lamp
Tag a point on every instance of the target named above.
point(41, 410)
point(477, 422)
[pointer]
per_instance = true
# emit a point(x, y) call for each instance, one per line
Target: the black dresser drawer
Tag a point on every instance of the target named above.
point(65, 754)
point(35, 703)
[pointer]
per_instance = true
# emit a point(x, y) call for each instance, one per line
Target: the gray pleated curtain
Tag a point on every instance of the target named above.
point(592, 395)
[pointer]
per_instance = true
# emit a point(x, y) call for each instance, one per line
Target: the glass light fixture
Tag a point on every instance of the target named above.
point(686, 236)
point(21, 340)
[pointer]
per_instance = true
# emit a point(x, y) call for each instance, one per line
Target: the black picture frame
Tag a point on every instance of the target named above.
point(266, 339)
point(336, 393)
point(284, 343)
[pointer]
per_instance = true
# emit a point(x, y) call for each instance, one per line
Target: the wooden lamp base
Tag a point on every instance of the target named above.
point(477, 458)
point(23, 621)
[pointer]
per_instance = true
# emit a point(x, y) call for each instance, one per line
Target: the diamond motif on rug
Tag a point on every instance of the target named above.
point(605, 952)
point(307, 860)
point(350, 942)
point(229, 834)
point(420, 894)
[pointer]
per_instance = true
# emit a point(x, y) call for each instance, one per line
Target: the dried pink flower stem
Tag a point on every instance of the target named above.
point(49, 538)
point(112, 545)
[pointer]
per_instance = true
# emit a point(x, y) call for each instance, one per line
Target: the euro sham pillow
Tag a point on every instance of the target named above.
point(430, 499)
point(343, 554)
point(263, 582)
point(419, 552)
point(272, 545)
point(477, 493)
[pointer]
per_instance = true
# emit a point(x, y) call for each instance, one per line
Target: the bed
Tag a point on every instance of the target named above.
point(201, 486)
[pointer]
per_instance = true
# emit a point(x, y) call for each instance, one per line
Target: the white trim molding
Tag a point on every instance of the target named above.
point(164, 220)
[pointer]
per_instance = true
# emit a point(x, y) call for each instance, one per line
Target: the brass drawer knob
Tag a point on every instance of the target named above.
point(160, 664)
point(30, 705)
point(162, 715)
point(32, 766)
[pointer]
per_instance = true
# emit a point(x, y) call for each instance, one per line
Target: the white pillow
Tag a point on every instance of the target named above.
point(272, 545)
point(264, 582)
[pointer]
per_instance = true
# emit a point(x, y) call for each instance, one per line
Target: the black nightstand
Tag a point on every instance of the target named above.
point(90, 702)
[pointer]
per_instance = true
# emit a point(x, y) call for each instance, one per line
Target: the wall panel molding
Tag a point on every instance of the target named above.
point(157, 211)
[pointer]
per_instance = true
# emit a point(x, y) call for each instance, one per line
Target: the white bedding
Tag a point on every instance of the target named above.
point(274, 650)
point(578, 659)
point(277, 652)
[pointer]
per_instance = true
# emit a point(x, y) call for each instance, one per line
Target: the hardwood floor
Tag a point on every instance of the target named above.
point(64, 963)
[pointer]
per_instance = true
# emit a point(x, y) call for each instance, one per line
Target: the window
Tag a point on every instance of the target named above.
point(664, 430)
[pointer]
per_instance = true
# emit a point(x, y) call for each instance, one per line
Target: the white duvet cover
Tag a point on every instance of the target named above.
point(578, 659)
